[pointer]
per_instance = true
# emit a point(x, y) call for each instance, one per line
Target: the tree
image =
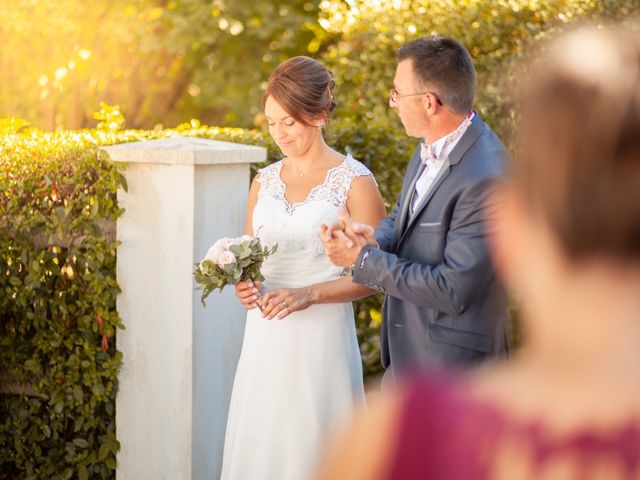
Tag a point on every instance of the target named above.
point(161, 61)
point(167, 61)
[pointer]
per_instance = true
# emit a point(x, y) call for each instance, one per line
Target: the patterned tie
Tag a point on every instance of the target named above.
point(426, 155)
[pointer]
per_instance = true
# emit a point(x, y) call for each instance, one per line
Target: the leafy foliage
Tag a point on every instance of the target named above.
point(164, 61)
point(161, 61)
point(57, 308)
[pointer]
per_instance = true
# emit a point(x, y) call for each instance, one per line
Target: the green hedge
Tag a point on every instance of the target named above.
point(57, 308)
point(58, 318)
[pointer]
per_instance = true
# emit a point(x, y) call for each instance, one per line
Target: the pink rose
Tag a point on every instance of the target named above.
point(215, 251)
point(235, 241)
point(226, 258)
point(227, 242)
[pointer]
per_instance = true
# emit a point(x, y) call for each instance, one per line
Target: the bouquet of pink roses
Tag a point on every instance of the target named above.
point(229, 261)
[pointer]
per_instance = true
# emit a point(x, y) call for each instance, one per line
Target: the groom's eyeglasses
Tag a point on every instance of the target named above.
point(394, 96)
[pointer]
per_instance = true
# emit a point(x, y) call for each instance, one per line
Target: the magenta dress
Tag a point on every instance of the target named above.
point(446, 434)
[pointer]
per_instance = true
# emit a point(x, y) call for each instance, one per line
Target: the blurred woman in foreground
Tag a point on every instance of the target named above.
point(567, 242)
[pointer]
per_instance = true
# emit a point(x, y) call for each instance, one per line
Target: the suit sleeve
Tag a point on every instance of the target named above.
point(464, 271)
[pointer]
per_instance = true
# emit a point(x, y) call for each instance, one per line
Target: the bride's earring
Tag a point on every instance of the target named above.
point(320, 125)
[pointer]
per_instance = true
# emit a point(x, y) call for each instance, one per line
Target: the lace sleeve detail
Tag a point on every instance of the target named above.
point(339, 180)
point(358, 168)
point(268, 179)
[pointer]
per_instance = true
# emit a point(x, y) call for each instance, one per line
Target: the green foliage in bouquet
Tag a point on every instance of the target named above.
point(230, 261)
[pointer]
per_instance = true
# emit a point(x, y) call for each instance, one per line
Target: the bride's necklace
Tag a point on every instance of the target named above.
point(301, 173)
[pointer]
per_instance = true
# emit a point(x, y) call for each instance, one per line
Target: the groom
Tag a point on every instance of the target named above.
point(443, 305)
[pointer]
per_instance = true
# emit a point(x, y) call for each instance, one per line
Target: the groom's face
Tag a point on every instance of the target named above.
point(409, 106)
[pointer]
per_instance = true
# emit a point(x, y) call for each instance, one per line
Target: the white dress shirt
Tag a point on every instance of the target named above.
point(430, 172)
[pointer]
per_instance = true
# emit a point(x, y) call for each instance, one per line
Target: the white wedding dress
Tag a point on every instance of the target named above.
point(298, 378)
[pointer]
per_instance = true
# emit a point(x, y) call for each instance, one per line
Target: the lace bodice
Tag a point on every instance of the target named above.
point(295, 227)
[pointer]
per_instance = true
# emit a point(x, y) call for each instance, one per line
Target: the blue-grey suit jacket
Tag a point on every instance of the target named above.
point(444, 305)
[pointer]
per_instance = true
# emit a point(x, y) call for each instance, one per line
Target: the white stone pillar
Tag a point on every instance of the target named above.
point(179, 358)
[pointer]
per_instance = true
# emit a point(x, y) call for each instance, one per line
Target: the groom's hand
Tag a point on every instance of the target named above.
point(344, 240)
point(362, 233)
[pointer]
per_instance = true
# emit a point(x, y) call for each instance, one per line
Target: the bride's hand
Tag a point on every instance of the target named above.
point(283, 301)
point(248, 293)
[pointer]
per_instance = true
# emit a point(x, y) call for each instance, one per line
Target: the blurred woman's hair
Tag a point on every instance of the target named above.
point(304, 88)
point(579, 141)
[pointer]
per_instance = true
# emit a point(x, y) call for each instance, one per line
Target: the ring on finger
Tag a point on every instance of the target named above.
point(284, 304)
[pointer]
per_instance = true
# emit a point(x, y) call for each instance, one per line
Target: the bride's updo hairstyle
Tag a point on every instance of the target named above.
point(304, 88)
point(579, 161)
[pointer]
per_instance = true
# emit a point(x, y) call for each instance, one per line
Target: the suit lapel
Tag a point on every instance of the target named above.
point(472, 134)
point(401, 221)
point(406, 207)
point(442, 174)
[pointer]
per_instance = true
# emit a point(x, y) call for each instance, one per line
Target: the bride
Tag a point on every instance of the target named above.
point(300, 372)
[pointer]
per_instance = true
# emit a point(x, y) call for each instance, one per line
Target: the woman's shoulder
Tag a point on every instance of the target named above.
point(272, 167)
point(355, 167)
point(270, 171)
point(347, 172)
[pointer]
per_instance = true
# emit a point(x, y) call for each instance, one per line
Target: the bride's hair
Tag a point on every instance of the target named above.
point(578, 163)
point(304, 88)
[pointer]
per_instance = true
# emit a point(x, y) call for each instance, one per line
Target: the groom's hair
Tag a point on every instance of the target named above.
point(443, 65)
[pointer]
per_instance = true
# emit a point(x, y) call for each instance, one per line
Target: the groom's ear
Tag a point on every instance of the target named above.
point(429, 104)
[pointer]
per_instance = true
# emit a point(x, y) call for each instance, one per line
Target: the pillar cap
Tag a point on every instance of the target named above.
point(185, 151)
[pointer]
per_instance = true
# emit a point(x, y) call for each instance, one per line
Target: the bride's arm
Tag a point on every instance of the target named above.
point(364, 205)
point(251, 203)
point(246, 292)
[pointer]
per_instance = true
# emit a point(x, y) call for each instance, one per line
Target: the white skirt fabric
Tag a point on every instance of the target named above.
point(297, 380)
